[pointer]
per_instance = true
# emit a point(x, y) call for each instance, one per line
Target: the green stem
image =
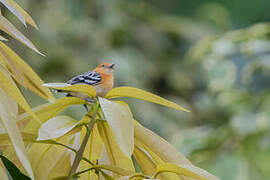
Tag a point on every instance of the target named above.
point(78, 173)
point(79, 154)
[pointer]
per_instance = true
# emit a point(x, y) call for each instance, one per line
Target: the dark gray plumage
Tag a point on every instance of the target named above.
point(90, 78)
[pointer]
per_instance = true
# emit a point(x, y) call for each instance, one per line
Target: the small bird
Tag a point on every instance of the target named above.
point(101, 78)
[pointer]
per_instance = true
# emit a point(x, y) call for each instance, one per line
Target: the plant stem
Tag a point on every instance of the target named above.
point(79, 153)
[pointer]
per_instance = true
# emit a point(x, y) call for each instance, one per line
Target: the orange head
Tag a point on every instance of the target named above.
point(105, 68)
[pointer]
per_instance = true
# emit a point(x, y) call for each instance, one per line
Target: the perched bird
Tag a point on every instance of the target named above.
point(101, 78)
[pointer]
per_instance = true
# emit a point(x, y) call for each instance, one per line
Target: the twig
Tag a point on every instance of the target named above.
point(79, 153)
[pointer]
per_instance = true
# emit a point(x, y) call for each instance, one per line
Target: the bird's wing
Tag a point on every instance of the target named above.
point(90, 78)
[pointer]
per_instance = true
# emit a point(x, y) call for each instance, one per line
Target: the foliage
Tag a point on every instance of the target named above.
point(105, 138)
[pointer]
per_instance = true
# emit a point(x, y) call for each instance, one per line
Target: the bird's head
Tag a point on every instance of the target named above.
point(105, 68)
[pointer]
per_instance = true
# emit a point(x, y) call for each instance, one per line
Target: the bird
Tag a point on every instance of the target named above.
point(101, 78)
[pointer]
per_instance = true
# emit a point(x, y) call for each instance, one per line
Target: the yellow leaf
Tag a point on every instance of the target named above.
point(26, 16)
point(11, 89)
point(47, 111)
point(13, 10)
point(10, 29)
point(23, 73)
point(27, 137)
point(8, 114)
point(115, 169)
point(56, 127)
point(120, 120)
point(82, 88)
point(146, 163)
point(159, 146)
point(173, 168)
point(116, 156)
point(143, 95)
point(3, 173)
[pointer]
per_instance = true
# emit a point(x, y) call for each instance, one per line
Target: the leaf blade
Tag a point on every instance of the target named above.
point(136, 93)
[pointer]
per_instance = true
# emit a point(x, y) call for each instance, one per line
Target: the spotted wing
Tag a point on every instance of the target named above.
point(90, 78)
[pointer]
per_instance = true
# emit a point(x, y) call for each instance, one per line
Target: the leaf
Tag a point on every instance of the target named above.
point(8, 115)
point(56, 127)
point(11, 89)
point(10, 29)
point(26, 16)
point(50, 161)
point(143, 95)
point(13, 171)
point(3, 173)
point(120, 119)
point(47, 111)
point(173, 168)
point(27, 137)
point(116, 156)
point(159, 146)
point(82, 88)
point(23, 73)
point(13, 10)
point(3, 39)
point(115, 169)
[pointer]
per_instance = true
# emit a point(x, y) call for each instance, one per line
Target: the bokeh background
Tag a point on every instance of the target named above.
point(211, 56)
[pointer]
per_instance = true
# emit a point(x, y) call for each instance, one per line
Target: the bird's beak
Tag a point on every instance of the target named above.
point(111, 66)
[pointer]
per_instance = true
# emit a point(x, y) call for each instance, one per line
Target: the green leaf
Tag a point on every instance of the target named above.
point(173, 168)
point(56, 127)
point(8, 113)
point(10, 29)
point(82, 88)
point(13, 171)
point(143, 95)
point(120, 119)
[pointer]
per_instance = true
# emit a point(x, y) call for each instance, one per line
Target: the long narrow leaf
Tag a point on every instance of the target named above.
point(9, 122)
point(23, 73)
point(143, 95)
point(10, 29)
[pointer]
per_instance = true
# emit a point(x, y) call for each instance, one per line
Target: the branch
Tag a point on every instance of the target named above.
point(79, 153)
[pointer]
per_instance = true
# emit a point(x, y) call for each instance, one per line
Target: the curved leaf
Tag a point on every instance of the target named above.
point(23, 73)
point(56, 127)
point(47, 111)
point(82, 88)
point(14, 10)
point(120, 119)
point(173, 168)
point(26, 16)
point(11, 89)
point(8, 114)
point(13, 171)
point(114, 153)
point(143, 95)
point(10, 29)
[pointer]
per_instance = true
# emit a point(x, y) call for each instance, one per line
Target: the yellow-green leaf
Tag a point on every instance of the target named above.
point(82, 88)
point(13, 10)
point(23, 73)
point(159, 146)
point(115, 169)
point(56, 127)
point(11, 89)
point(27, 137)
point(114, 153)
point(143, 95)
point(2, 38)
point(47, 111)
point(26, 16)
point(173, 168)
point(8, 113)
point(120, 119)
point(10, 29)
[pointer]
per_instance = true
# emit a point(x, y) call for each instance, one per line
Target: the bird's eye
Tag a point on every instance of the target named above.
point(103, 65)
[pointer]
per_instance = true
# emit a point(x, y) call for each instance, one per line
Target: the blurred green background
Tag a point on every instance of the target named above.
point(211, 56)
